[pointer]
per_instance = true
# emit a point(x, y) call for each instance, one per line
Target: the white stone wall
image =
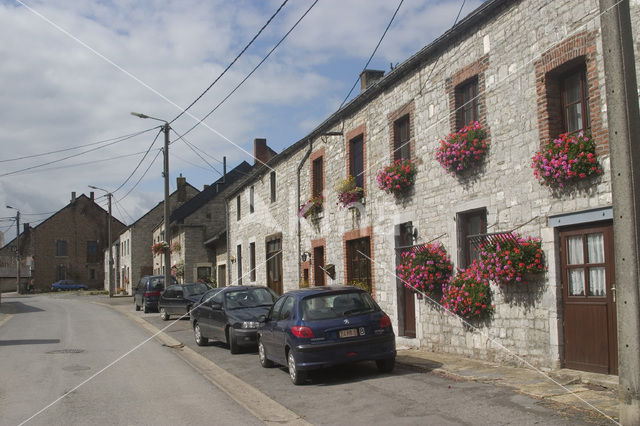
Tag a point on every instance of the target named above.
point(526, 322)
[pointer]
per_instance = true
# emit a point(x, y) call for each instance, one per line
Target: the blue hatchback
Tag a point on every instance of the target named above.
point(319, 327)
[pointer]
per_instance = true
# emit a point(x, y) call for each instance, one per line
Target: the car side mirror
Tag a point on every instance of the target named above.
point(179, 296)
point(263, 318)
point(215, 305)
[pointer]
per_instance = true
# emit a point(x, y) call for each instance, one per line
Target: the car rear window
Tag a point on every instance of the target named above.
point(329, 306)
point(157, 283)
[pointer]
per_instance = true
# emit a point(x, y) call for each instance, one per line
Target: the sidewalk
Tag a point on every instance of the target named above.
point(578, 389)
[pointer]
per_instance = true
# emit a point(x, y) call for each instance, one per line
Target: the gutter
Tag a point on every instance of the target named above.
point(226, 201)
point(302, 161)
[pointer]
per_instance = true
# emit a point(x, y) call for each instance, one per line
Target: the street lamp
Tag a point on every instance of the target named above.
point(165, 173)
point(17, 247)
point(109, 195)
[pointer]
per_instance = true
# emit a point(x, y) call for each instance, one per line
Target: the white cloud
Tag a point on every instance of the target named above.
point(59, 94)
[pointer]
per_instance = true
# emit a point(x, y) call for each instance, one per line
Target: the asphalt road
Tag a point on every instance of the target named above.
point(154, 384)
point(65, 361)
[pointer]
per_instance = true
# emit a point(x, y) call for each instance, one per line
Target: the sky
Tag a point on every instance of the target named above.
point(72, 71)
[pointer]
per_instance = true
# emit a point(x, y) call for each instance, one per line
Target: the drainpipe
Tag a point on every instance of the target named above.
point(226, 201)
point(302, 161)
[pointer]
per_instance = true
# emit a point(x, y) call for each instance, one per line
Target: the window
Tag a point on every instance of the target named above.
point(467, 103)
point(251, 207)
point(239, 262)
point(61, 248)
point(92, 274)
point(92, 251)
point(401, 137)
point(252, 261)
point(238, 207)
point(469, 224)
point(272, 184)
point(358, 263)
point(356, 159)
point(318, 266)
point(274, 263)
point(203, 273)
point(575, 101)
point(317, 183)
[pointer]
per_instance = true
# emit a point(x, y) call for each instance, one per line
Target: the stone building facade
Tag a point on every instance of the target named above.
point(195, 228)
point(134, 245)
point(514, 66)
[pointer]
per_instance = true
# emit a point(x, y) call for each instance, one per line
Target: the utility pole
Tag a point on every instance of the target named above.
point(109, 242)
point(17, 247)
point(165, 173)
point(624, 141)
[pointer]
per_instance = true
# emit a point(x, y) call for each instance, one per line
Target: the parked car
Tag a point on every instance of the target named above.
point(231, 315)
point(67, 285)
point(147, 292)
point(320, 327)
point(178, 299)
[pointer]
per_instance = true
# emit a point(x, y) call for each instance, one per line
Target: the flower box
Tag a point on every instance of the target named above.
point(397, 178)
point(312, 209)
point(570, 157)
point(464, 149)
point(349, 193)
point(425, 268)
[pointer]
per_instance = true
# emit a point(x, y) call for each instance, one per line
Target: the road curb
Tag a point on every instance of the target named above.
point(253, 400)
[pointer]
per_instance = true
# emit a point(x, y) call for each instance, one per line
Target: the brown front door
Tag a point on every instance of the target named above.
point(590, 332)
point(318, 265)
point(274, 265)
point(408, 304)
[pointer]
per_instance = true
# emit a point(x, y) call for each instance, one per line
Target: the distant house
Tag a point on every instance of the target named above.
point(132, 249)
point(197, 233)
point(68, 245)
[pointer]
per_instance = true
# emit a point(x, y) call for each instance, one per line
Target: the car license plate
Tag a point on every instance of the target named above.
point(352, 332)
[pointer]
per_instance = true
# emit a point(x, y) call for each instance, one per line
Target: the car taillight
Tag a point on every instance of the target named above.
point(302, 331)
point(151, 293)
point(385, 321)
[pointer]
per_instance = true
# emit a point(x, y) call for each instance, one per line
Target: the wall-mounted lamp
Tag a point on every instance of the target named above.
point(233, 259)
point(305, 256)
point(413, 233)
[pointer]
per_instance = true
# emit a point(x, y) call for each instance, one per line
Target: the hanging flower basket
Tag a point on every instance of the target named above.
point(463, 150)
point(397, 178)
point(567, 158)
point(508, 258)
point(160, 247)
point(177, 269)
point(468, 295)
point(425, 268)
point(312, 208)
point(348, 192)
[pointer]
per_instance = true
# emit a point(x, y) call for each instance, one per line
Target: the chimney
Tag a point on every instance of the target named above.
point(260, 151)
point(181, 183)
point(369, 77)
point(91, 195)
point(205, 186)
point(25, 228)
point(73, 196)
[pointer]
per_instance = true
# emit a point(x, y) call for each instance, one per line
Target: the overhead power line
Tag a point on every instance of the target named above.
point(232, 62)
point(373, 53)
point(122, 139)
point(139, 163)
point(77, 147)
point(253, 70)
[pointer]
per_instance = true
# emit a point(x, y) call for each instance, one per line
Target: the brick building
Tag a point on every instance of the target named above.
point(69, 244)
point(526, 71)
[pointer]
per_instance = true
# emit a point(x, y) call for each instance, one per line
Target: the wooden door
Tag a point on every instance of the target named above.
point(590, 331)
point(274, 265)
point(407, 302)
point(318, 266)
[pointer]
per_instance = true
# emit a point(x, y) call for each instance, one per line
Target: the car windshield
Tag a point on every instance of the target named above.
point(195, 289)
point(329, 306)
point(249, 298)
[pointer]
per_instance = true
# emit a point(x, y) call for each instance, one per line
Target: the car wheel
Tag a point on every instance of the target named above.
point(233, 342)
point(262, 354)
point(163, 314)
point(297, 377)
point(200, 340)
point(137, 307)
point(145, 307)
point(386, 365)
